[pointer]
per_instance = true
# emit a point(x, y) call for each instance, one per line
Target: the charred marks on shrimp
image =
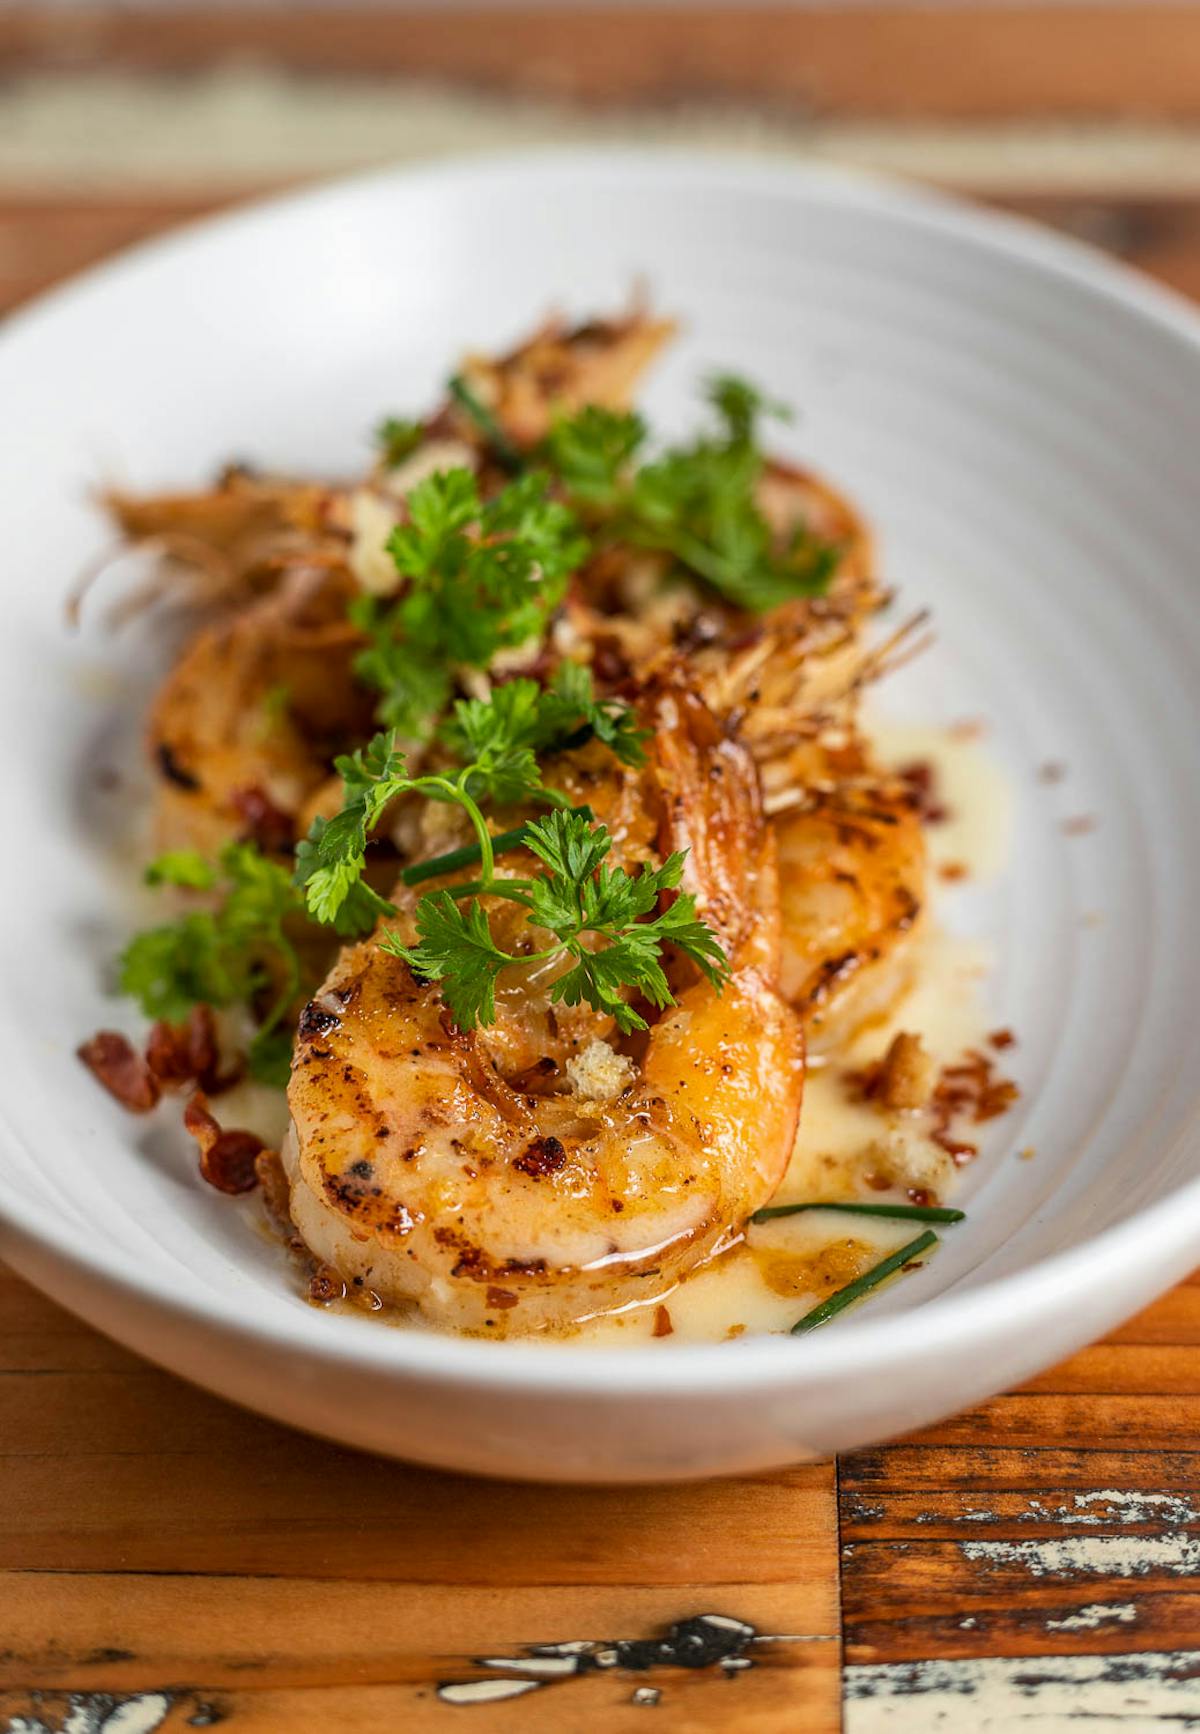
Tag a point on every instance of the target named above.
point(173, 771)
point(323, 1015)
point(541, 1157)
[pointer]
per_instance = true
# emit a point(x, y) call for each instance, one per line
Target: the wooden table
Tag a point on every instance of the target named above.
point(167, 1561)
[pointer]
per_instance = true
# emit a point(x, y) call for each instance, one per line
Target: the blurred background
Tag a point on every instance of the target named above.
point(117, 120)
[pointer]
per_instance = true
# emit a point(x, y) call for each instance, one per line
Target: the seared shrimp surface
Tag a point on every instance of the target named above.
point(245, 726)
point(421, 1171)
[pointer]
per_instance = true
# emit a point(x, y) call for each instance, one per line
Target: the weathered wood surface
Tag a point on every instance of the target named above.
point(167, 1561)
point(981, 61)
point(1054, 1532)
point(157, 1543)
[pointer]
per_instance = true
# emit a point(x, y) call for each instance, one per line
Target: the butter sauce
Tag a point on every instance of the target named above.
point(848, 1148)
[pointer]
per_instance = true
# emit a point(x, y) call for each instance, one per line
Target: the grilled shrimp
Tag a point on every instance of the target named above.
point(779, 673)
point(243, 730)
point(425, 1168)
point(852, 885)
point(560, 369)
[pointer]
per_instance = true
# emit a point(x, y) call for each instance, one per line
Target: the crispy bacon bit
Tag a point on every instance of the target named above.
point(921, 1195)
point(922, 782)
point(662, 1323)
point(542, 1157)
point(264, 821)
point(903, 1078)
point(501, 1298)
point(114, 1062)
point(228, 1160)
point(187, 1053)
point(1001, 1039)
point(325, 1286)
point(968, 1091)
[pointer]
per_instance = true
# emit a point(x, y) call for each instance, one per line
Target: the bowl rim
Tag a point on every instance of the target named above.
point(1163, 1231)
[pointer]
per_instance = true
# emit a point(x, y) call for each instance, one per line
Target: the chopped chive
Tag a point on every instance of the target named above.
point(892, 1212)
point(468, 853)
point(489, 427)
point(862, 1285)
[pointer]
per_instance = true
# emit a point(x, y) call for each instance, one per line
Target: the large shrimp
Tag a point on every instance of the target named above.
point(245, 726)
point(852, 872)
point(421, 1171)
point(558, 370)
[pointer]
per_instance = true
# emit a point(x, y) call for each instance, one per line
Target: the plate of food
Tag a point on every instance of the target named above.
point(602, 808)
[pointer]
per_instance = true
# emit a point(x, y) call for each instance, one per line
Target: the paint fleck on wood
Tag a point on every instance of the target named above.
point(93, 1713)
point(701, 1641)
point(1133, 1693)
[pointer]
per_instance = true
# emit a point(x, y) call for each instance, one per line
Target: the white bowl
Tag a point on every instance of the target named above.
point(1021, 421)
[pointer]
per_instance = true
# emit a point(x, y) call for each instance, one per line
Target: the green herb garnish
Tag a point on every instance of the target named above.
point(522, 719)
point(397, 439)
point(590, 452)
point(500, 445)
point(863, 1285)
point(697, 503)
point(467, 854)
point(496, 741)
point(481, 577)
point(578, 901)
point(233, 954)
point(890, 1212)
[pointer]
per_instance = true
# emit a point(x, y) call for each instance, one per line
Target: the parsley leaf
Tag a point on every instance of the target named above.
point(397, 439)
point(740, 404)
point(330, 860)
point(228, 955)
point(698, 502)
point(185, 867)
point(591, 450)
point(500, 736)
point(482, 577)
point(455, 946)
point(581, 896)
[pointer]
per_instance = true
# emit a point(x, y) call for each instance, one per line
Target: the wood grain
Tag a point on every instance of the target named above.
point(1060, 1519)
point(165, 1553)
point(986, 62)
point(150, 1534)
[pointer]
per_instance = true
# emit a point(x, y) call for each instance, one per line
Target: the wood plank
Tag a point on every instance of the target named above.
point(151, 1534)
point(126, 1633)
point(1040, 1555)
point(765, 1700)
point(862, 60)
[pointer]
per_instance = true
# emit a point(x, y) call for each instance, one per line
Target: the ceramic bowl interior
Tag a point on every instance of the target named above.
point(1019, 420)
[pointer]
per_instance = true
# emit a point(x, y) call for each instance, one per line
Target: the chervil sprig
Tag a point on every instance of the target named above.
point(496, 741)
point(523, 718)
point(397, 439)
point(481, 576)
point(599, 918)
point(232, 954)
point(697, 503)
point(591, 451)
